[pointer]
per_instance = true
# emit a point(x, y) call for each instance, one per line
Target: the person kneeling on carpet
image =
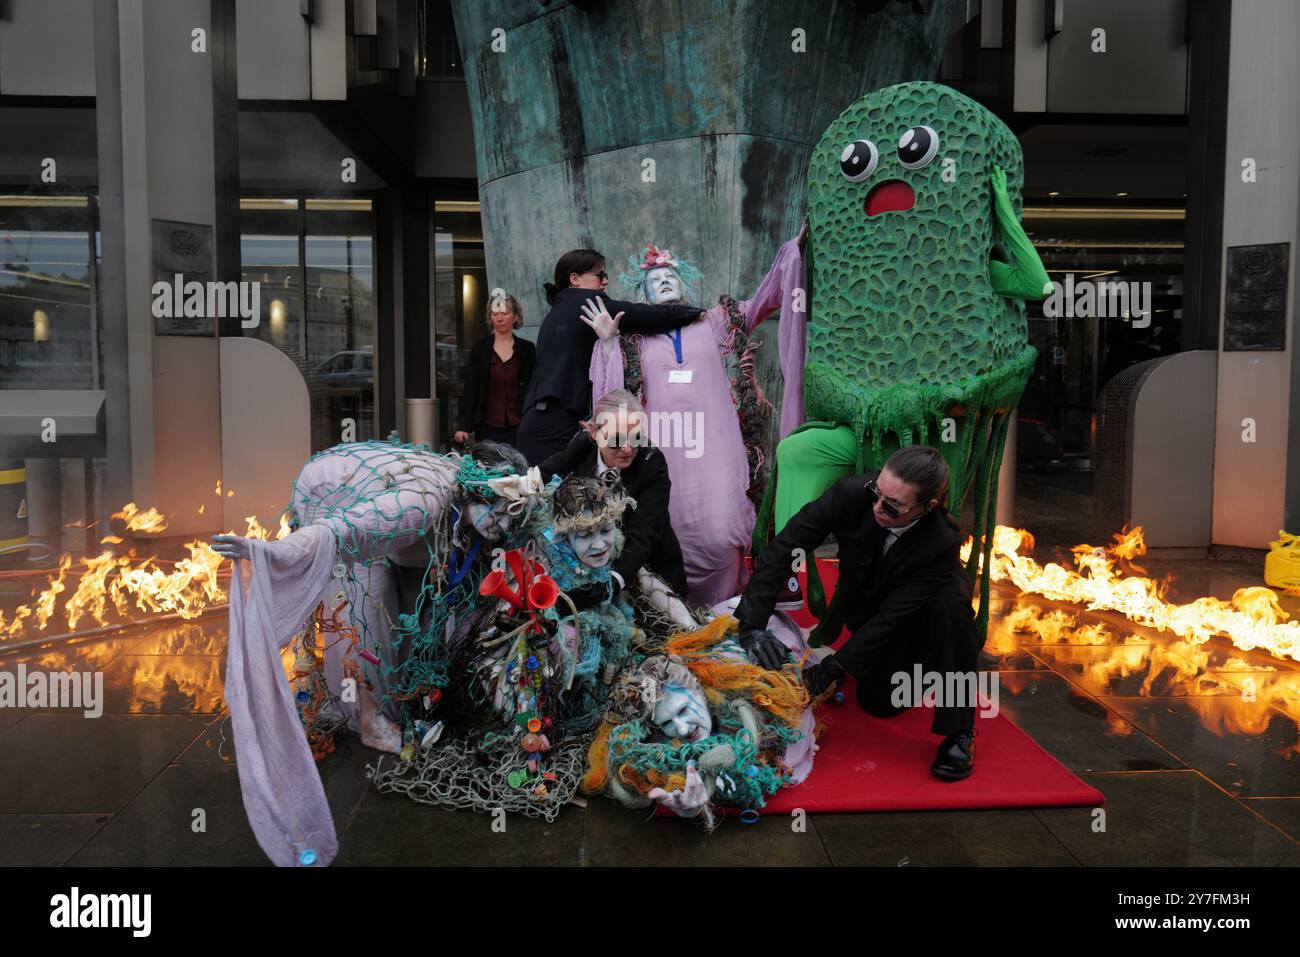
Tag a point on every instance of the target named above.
point(907, 599)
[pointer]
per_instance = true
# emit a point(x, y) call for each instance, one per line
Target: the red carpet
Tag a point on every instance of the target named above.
point(883, 764)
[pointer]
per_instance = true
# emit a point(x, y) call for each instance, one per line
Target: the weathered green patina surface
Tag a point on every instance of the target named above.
point(713, 91)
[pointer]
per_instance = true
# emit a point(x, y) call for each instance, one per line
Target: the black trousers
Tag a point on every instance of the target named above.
point(941, 639)
point(543, 433)
point(507, 435)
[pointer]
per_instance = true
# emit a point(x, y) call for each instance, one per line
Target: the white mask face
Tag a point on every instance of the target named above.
point(491, 522)
point(683, 713)
point(663, 285)
point(596, 548)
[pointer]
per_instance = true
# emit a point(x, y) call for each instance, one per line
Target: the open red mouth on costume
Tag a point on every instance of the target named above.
point(893, 195)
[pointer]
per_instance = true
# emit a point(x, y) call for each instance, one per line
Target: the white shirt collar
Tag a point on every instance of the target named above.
point(897, 532)
point(601, 467)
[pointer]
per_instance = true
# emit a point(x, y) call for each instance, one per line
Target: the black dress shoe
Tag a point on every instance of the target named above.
point(955, 759)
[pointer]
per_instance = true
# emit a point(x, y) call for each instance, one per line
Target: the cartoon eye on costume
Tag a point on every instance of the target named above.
point(917, 147)
point(859, 159)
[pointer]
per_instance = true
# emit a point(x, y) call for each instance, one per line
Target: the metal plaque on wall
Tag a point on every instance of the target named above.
point(1255, 308)
point(181, 250)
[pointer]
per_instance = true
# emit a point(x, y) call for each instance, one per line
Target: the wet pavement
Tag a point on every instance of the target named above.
point(1194, 769)
point(1195, 747)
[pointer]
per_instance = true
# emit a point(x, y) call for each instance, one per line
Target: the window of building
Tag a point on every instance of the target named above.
point(1109, 264)
point(315, 259)
point(460, 297)
point(49, 338)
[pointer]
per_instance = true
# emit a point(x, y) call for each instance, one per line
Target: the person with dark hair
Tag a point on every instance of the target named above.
point(496, 377)
point(906, 596)
point(559, 394)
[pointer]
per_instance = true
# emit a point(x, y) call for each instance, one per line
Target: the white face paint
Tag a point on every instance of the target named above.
point(683, 713)
point(595, 549)
point(663, 285)
point(493, 523)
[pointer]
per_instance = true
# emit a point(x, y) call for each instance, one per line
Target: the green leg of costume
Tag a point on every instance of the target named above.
point(810, 460)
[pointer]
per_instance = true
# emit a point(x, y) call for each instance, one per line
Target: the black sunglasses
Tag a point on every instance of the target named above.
point(889, 508)
point(620, 441)
point(602, 275)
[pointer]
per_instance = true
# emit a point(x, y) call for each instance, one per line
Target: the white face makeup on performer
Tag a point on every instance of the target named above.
point(619, 435)
point(683, 713)
point(492, 522)
point(595, 549)
point(662, 285)
point(902, 498)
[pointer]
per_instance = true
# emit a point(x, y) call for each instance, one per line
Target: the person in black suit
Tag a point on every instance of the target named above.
point(559, 394)
point(907, 599)
point(496, 377)
point(616, 442)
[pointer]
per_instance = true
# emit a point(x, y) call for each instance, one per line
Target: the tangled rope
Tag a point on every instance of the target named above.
point(459, 776)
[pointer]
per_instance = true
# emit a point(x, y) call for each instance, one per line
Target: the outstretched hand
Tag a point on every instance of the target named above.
point(233, 547)
point(687, 802)
point(596, 315)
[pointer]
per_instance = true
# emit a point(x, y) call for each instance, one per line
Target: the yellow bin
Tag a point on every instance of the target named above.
point(13, 504)
point(1282, 564)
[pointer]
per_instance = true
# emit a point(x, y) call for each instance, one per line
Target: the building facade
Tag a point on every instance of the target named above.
point(322, 152)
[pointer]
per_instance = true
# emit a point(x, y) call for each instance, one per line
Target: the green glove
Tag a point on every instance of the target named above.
point(1024, 277)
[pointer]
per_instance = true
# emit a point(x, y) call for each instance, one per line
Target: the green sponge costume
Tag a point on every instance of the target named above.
point(917, 267)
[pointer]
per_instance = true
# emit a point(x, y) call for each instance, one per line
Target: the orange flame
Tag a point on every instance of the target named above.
point(124, 585)
point(138, 521)
point(1252, 619)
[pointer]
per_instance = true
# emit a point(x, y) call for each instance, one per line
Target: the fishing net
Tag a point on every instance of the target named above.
point(397, 506)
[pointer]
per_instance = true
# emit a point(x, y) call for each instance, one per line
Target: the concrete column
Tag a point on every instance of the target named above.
point(1257, 454)
point(1006, 507)
point(158, 111)
point(75, 509)
point(690, 128)
point(44, 515)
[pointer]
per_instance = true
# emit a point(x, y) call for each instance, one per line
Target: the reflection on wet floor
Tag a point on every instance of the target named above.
point(1110, 658)
point(1125, 705)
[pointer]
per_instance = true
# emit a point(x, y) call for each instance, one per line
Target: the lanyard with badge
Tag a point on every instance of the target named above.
point(679, 374)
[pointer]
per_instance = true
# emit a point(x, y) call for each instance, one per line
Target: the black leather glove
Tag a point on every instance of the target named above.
point(589, 596)
point(764, 648)
point(822, 675)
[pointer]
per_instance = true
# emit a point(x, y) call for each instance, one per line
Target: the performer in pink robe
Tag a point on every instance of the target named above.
point(689, 382)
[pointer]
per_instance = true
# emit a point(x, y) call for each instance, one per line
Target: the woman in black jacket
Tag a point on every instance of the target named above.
point(496, 377)
point(559, 396)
